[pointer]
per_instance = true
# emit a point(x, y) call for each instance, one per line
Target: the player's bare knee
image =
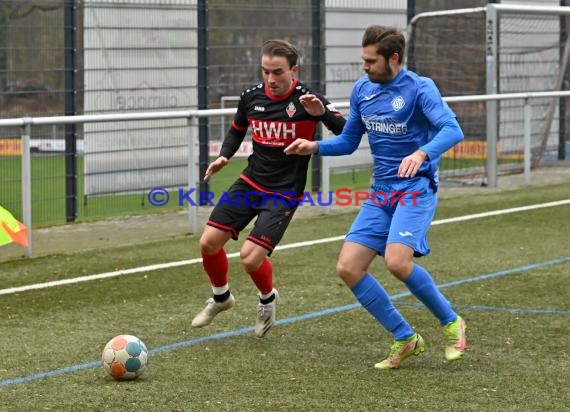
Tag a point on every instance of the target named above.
point(249, 258)
point(347, 272)
point(208, 246)
point(252, 255)
point(397, 266)
point(250, 261)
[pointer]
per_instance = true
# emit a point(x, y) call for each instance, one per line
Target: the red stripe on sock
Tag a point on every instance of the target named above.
point(216, 266)
point(263, 277)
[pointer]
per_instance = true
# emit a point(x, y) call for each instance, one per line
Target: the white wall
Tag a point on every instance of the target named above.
point(140, 55)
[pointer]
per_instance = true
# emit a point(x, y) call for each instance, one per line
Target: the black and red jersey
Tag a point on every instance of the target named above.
point(275, 121)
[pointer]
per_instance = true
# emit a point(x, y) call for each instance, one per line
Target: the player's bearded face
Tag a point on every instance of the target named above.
point(277, 75)
point(376, 66)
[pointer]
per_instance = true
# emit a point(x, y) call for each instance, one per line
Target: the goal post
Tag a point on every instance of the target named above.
point(496, 49)
point(521, 37)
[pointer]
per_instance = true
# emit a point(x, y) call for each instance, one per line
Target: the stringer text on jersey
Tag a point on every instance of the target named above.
point(388, 127)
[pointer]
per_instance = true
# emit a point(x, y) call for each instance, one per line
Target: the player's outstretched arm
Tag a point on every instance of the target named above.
point(301, 147)
point(215, 166)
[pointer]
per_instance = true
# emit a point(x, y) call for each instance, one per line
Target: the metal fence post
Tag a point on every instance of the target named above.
point(193, 172)
point(492, 88)
point(70, 110)
point(203, 88)
point(527, 131)
point(316, 74)
point(27, 183)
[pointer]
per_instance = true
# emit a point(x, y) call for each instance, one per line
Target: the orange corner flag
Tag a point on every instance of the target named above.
point(11, 230)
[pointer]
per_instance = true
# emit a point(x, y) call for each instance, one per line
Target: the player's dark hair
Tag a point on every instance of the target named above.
point(281, 48)
point(388, 40)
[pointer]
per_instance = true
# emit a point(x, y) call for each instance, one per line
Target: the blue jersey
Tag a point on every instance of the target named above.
point(400, 117)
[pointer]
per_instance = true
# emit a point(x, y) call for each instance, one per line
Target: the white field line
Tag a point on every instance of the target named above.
point(161, 266)
point(500, 212)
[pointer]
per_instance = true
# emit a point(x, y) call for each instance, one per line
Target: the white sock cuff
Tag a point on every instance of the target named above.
point(220, 290)
point(261, 296)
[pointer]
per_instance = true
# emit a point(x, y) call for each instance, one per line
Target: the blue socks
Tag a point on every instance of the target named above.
point(372, 296)
point(424, 288)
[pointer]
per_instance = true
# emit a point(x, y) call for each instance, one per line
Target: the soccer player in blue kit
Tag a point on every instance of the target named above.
point(409, 127)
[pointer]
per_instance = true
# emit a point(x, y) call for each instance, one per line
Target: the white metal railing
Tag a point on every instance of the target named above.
point(26, 123)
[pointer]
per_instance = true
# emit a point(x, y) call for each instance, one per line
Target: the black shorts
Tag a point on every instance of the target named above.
point(237, 207)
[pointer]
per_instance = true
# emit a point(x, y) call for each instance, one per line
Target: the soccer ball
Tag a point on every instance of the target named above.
point(125, 357)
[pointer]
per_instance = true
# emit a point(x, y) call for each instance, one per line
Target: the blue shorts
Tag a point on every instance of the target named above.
point(400, 211)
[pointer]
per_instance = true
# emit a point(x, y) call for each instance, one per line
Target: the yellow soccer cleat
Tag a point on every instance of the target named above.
point(456, 339)
point(401, 350)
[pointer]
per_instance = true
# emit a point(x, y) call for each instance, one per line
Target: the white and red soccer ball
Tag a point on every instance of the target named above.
point(125, 357)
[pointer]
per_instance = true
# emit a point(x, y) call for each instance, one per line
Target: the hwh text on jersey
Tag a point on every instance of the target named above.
point(273, 130)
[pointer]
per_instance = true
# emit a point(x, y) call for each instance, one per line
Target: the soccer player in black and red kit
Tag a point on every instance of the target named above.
point(278, 111)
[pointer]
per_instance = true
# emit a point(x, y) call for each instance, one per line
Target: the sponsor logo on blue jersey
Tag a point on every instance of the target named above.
point(398, 103)
point(386, 125)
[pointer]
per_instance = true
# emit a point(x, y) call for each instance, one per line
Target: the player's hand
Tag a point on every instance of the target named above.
point(214, 167)
point(301, 147)
point(411, 164)
point(312, 104)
